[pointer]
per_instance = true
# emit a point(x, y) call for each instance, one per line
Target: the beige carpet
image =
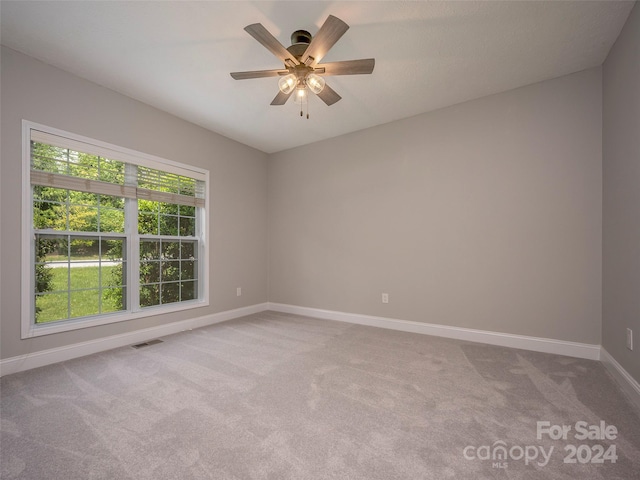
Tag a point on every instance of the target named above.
point(277, 396)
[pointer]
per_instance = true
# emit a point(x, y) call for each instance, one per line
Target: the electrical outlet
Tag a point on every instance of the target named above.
point(238, 291)
point(385, 298)
point(629, 339)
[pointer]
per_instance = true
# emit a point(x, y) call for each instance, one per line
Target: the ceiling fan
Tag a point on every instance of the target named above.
point(302, 70)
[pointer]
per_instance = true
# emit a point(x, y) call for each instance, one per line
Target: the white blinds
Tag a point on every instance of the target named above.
point(123, 155)
point(57, 180)
point(168, 187)
point(166, 197)
point(176, 185)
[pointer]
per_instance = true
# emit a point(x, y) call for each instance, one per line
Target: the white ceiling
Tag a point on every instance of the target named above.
point(177, 56)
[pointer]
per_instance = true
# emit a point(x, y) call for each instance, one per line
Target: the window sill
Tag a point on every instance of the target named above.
point(38, 330)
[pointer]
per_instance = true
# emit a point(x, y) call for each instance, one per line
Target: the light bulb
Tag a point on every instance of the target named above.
point(301, 95)
point(315, 83)
point(287, 83)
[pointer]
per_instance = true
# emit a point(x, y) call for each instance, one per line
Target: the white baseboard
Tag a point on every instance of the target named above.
point(628, 384)
point(68, 352)
point(546, 345)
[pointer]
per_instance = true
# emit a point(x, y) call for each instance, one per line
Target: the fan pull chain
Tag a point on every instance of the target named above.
point(302, 108)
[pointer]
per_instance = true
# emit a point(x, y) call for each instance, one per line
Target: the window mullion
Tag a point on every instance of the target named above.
point(133, 243)
point(201, 274)
point(69, 274)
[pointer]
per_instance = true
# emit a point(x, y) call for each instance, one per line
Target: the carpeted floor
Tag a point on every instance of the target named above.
point(277, 396)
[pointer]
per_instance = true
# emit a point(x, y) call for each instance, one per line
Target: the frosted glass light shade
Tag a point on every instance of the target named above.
point(300, 96)
point(315, 83)
point(287, 83)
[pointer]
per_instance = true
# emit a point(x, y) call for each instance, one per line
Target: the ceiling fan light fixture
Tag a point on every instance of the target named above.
point(315, 83)
point(287, 83)
point(300, 96)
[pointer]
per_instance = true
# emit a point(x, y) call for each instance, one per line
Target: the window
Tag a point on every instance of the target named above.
point(111, 234)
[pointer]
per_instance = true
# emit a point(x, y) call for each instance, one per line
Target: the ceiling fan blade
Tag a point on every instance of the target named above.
point(271, 43)
point(281, 98)
point(258, 74)
point(348, 67)
point(328, 95)
point(329, 33)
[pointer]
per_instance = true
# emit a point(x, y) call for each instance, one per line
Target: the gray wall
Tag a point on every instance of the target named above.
point(35, 91)
point(621, 171)
point(484, 215)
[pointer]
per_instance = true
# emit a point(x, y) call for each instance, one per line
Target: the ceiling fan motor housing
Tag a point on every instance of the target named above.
point(300, 36)
point(300, 40)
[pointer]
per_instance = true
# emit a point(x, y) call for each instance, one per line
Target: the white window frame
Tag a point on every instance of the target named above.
point(29, 328)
